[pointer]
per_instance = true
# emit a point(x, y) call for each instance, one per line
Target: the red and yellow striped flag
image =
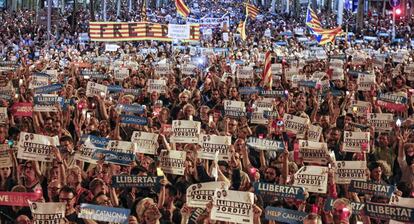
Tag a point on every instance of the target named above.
point(241, 28)
point(267, 71)
point(182, 8)
point(251, 10)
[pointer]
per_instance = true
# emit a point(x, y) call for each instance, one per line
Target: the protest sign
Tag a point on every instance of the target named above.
point(258, 117)
point(172, 161)
point(403, 202)
point(111, 47)
point(48, 89)
point(210, 22)
point(8, 198)
point(210, 144)
point(4, 118)
point(265, 144)
point(350, 170)
point(234, 108)
point(145, 142)
point(134, 108)
point(296, 125)
point(312, 179)
point(162, 69)
point(195, 215)
point(53, 75)
point(356, 141)
point(93, 89)
point(360, 108)
point(38, 81)
point(245, 72)
point(366, 82)
point(47, 103)
point(185, 131)
point(88, 74)
point(36, 147)
point(121, 73)
point(115, 157)
point(370, 188)
point(199, 195)
point(267, 190)
point(248, 90)
point(122, 181)
point(264, 104)
point(382, 122)
point(50, 212)
point(233, 206)
point(284, 215)
point(94, 141)
point(387, 212)
point(357, 207)
point(22, 109)
point(120, 146)
point(188, 69)
point(5, 160)
point(276, 69)
point(103, 213)
point(314, 152)
point(166, 129)
point(274, 93)
point(156, 85)
point(337, 74)
point(393, 101)
point(131, 119)
point(86, 153)
point(314, 133)
point(135, 31)
point(178, 31)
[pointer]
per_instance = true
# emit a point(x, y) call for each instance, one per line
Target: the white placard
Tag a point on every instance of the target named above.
point(162, 69)
point(276, 69)
point(338, 74)
point(4, 118)
point(353, 141)
point(120, 146)
point(350, 170)
point(179, 31)
point(258, 118)
point(95, 89)
point(48, 102)
point(188, 69)
point(36, 147)
point(111, 47)
point(210, 144)
point(38, 81)
point(296, 125)
point(365, 82)
point(53, 75)
point(145, 142)
point(234, 105)
point(226, 37)
point(5, 160)
point(314, 133)
point(199, 195)
point(50, 212)
point(361, 108)
point(382, 122)
point(314, 152)
point(121, 73)
point(85, 153)
point(245, 72)
point(185, 131)
point(313, 178)
point(156, 85)
point(172, 161)
point(233, 206)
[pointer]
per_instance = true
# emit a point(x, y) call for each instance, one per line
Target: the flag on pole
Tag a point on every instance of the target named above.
point(323, 36)
point(267, 71)
point(251, 10)
point(241, 28)
point(182, 8)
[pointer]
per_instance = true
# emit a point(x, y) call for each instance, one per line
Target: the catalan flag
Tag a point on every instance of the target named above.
point(323, 36)
point(144, 11)
point(182, 8)
point(241, 28)
point(267, 71)
point(251, 10)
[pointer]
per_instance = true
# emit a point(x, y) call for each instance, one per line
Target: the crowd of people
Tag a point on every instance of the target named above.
point(335, 126)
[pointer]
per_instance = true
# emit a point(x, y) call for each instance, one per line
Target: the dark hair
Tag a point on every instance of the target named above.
point(67, 189)
point(374, 165)
point(66, 138)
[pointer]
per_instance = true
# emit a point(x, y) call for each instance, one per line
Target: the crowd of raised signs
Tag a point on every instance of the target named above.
point(165, 132)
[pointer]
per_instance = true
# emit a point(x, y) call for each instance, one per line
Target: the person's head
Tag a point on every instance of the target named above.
point(383, 140)
point(66, 142)
point(102, 200)
point(188, 110)
point(5, 172)
point(184, 97)
point(409, 149)
point(147, 211)
point(215, 95)
point(48, 125)
point(97, 186)
point(53, 189)
point(3, 133)
point(68, 195)
point(22, 219)
point(375, 171)
point(312, 218)
point(271, 174)
point(334, 134)
point(341, 211)
point(29, 171)
point(170, 193)
point(57, 127)
point(74, 176)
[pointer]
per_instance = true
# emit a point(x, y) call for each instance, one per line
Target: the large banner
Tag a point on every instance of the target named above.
point(357, 207)
point(233, 206)
point(36, 147)
point(280, 191)
point(103, 213)
point(135, 31)
point(387, 212)
point(51, 212)
point(199, 195)
point(210, 22)
point(364, 187)
point(284, 215)
point(121, 181)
